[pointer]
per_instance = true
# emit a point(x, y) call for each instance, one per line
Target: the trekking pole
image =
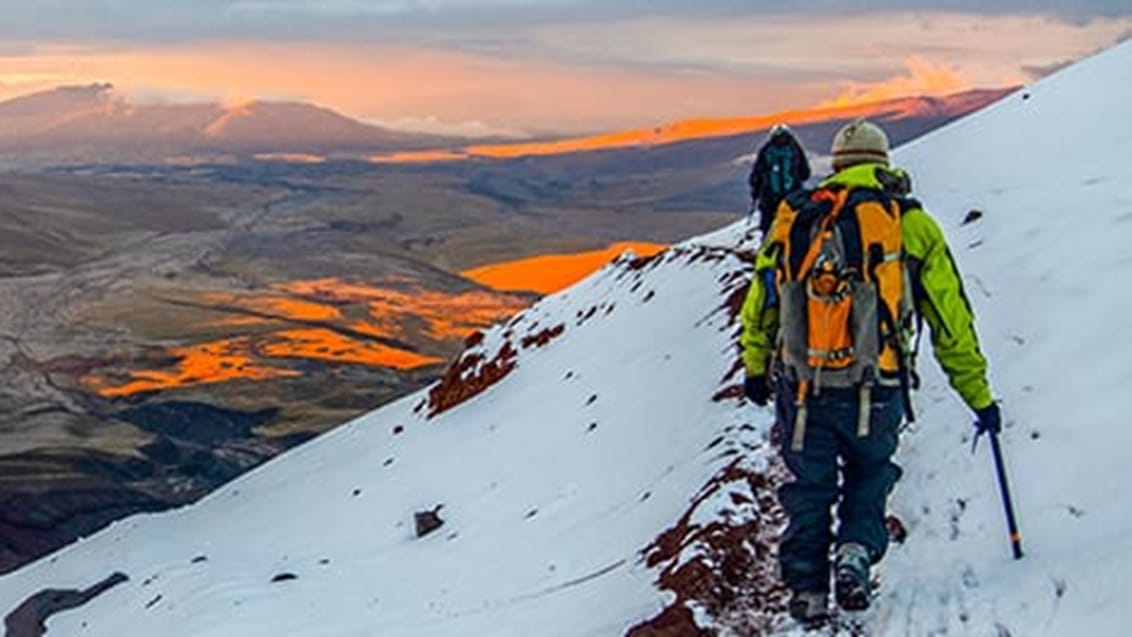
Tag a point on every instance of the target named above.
point(1011, 522)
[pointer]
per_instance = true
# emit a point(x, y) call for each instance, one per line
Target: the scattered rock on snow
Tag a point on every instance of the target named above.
point(542, 338)
point(428, 521)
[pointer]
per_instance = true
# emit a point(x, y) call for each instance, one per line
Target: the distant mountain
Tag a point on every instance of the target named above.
point(683, 167)
point(916, 113)
point(95, 123)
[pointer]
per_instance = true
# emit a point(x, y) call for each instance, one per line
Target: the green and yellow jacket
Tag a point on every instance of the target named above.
point(937, 292)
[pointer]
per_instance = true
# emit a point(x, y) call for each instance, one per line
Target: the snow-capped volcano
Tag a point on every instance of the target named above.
point(596, 469)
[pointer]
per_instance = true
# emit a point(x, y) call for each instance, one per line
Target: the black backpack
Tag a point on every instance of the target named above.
point(778, 171)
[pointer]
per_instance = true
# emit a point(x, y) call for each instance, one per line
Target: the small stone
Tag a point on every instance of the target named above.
point(972, 216)
point(428, 521)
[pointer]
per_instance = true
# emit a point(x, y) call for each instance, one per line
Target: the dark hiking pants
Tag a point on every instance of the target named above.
point(831, 447)
point(767, 207)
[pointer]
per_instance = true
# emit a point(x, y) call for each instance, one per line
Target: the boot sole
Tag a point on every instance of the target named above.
point(850, 594)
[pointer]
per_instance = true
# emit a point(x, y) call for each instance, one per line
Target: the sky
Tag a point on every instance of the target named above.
point(526, 67)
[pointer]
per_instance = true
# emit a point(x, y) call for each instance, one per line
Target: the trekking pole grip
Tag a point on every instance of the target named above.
point(1007, 503)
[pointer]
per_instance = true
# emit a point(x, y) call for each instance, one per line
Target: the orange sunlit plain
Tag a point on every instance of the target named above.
point(553, 272)
point(323, 344)
point(201, 363)
point(395, 323)
point(307, 320)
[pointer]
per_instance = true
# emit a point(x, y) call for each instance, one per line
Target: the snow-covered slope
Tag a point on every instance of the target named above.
point(1047, 269)
point(552, 482)
point(609, 448)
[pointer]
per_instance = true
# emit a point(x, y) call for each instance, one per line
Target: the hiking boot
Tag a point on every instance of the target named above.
point(809, 608)
point(851, 576)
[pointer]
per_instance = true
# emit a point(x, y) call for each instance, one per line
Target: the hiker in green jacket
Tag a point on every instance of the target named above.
point(840, 398)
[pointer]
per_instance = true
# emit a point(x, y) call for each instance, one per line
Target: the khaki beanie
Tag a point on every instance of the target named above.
point(859, 142)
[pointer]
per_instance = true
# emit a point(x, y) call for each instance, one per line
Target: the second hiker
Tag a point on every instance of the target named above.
point(780, 168)
point(829, 320)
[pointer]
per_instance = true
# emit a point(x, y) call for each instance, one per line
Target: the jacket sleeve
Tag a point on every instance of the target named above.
point(941, 300)
point(759, 316)
point(756, 178)
point(803, 162)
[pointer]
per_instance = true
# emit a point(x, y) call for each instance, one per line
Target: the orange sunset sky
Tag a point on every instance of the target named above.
point(506, 67)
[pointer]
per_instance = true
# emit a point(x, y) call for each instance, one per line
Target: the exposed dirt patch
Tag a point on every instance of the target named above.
point(673, 621)
point(727, 567)
point(720, 557)
point(470, 375)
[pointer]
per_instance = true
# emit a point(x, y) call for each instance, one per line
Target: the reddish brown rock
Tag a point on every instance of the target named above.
point(468, 376)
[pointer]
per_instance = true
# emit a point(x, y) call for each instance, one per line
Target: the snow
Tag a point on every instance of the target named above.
point(555, 480)
point(1046, 270)
point(545, 518)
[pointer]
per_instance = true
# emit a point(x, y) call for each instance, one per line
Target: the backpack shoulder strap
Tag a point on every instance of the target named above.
point(837, 200)
point(794, 227)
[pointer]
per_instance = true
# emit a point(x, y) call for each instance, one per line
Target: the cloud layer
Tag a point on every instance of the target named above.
point(535, 66)
point(165, 20)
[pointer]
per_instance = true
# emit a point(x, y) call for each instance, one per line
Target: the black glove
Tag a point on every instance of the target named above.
point(988, 419)
point(756, 389)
